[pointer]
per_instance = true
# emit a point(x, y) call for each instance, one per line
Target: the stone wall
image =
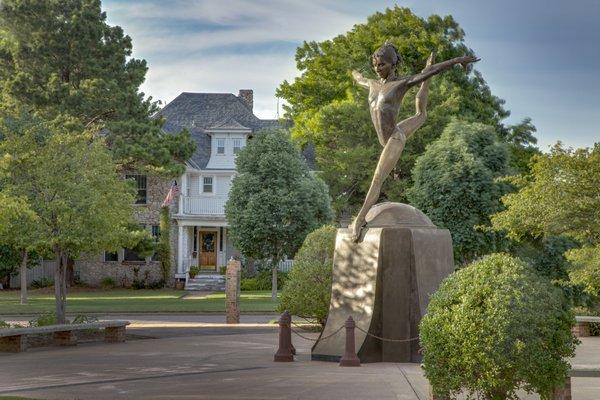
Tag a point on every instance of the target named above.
point(157, 189)
point(92, 269)
point(92, 272)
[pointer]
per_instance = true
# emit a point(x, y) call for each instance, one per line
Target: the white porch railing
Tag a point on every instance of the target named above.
point(286, 265)
point(204, 205)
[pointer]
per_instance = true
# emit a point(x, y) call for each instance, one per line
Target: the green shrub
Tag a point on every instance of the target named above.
point(249, 284)
point(495, 326)
point(265, 276)
point(194, 270)
point(42, 283)
point(44, 320)
point(155, 285)
point(223, 269)
point(83, 319)
point(138, 284)
point(163, 247)
point(308, 290)
point(595, 328)
point(108, 282)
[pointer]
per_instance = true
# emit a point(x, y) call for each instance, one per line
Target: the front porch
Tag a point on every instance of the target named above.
point(204, 244)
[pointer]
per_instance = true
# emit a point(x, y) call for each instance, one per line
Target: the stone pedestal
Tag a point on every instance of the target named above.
point(384, 282)
point(232, 291)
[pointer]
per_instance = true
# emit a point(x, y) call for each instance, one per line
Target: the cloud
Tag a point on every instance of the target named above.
point(227, 45)
point(223, 74)
point(210, 46)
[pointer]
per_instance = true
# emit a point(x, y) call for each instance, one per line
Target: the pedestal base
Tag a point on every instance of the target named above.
point(384, 283)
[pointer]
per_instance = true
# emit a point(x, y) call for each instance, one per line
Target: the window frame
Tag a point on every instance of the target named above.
point(141, 182)
point(212, 184)
point(237, 149)
point(106, 252)
point(221, 147)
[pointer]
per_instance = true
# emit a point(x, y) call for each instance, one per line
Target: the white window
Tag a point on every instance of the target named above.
point(237, 145)
point(207, 184)
point(220, 146)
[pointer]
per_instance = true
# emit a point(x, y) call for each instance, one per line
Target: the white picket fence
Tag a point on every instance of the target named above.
point(285, 265)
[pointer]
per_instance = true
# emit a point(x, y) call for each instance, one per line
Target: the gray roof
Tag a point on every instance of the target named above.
point(199, 112)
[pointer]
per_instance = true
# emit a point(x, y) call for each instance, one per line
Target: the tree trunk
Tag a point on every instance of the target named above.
point(70, 272)
point(23, 273)
point(60, 287)
point(5, 281)
point(250, 268)
point(274, 282)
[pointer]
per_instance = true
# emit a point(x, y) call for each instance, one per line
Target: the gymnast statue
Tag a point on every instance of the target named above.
point(385, 97)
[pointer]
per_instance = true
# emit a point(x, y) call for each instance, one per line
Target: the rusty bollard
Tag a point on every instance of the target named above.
point(284, 352)
point(350, 359)
point(292, 348)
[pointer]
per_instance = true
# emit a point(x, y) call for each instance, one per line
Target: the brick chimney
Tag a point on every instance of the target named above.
point(247, 96)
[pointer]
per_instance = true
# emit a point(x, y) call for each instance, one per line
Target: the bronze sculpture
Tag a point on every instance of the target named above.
point(385, 97)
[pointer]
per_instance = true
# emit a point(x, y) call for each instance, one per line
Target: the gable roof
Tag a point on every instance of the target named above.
point(201, 112)
point(198, 112)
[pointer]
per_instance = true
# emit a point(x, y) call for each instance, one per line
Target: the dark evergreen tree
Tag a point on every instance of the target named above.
point(60, 57)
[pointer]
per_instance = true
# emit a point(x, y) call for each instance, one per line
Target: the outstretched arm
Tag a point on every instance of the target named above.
point(437, 68)
point(361, 80)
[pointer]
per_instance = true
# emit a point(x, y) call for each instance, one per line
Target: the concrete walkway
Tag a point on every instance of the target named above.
point(219, 362)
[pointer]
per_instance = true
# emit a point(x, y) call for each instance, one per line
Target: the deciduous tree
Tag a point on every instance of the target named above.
point(560, 196)
point(454, 184)
point(18, 232)
point(70, 182)
point(329, 111)
point(274, 201)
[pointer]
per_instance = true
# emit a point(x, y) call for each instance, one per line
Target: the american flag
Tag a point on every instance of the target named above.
point(174, 191)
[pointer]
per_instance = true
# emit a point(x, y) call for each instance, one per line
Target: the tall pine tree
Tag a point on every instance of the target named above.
point(60, 58)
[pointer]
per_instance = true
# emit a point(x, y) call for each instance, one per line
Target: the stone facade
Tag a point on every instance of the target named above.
point(92, 272)
point(93, 269)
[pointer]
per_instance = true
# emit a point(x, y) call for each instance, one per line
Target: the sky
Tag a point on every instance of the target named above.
point(541, 56)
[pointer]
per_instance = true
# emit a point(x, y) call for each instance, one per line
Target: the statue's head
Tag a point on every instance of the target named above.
point(386, 59)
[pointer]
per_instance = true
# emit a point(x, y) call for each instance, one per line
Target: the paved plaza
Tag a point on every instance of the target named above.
point(199, 357)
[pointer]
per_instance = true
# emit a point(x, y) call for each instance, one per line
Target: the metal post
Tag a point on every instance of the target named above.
point(284, 352)
point(350, 359)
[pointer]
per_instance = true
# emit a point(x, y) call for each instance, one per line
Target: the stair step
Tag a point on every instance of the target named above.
point(206, 283)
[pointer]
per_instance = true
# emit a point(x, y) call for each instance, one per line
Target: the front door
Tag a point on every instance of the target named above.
point(208, 251)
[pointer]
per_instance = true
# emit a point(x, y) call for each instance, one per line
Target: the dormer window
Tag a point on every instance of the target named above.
point(237, 145)
point(220, 146)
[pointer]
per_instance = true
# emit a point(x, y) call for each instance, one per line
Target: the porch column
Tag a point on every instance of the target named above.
point(184, 185)
point(224, 249)
point(180, 250)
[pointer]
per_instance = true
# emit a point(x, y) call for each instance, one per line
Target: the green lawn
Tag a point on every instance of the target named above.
point(129, 300)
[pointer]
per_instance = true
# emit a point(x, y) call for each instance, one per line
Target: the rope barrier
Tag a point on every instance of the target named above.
point(321, 338)
point(386, 339)
point(341, 327)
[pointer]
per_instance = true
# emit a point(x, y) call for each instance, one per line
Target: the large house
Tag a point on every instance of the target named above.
point(220, 124)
